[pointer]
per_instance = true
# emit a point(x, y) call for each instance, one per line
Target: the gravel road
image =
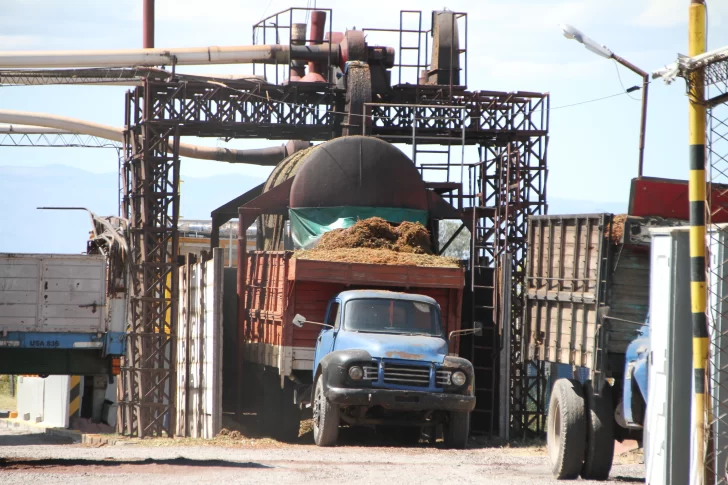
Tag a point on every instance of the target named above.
point(40, 459)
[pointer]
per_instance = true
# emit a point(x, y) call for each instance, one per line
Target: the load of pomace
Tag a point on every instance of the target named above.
point(376, 233)
point(377, 241)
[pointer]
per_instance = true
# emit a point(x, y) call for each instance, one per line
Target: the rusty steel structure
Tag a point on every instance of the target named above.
point(151, 204)
point(496, 191)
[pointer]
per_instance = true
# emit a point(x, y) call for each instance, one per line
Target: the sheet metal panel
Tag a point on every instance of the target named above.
point(668, 415)
point(199, 348)
point(52, 293)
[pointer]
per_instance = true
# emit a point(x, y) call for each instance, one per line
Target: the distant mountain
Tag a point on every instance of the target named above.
point(567, 206)
point(23, 228)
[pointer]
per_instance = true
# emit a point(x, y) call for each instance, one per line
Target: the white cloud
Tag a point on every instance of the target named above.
point(671, 13)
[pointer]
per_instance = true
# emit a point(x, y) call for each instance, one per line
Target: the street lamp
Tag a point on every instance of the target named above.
point(571, 32)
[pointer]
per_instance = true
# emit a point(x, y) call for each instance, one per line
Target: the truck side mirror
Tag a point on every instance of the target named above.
point(299, 320)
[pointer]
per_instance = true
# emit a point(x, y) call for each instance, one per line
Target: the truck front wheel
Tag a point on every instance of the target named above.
point(457, 429)
point(599, 433)
point(325, 417)
point(566, 429)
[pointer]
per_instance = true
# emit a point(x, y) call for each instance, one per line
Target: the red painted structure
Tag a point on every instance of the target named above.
point(278, 287)
point(651, 196)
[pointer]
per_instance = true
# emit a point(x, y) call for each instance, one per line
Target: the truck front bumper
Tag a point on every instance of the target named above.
point(401, 400)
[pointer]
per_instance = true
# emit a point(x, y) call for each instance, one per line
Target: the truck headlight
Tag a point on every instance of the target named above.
point(458, 378)
point(356, 372)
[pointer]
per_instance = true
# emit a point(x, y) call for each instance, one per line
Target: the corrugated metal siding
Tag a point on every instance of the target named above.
point(628, 295)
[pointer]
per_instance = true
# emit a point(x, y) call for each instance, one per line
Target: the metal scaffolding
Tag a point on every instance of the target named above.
point(151, 203)
point(496, 191)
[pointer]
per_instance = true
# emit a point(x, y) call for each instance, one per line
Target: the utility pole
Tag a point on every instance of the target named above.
point(697, 123)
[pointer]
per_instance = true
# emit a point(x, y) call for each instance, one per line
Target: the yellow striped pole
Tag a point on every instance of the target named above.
point(696, 119)
point(74, 397)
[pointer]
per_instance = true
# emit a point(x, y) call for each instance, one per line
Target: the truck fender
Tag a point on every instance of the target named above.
point(334, 366)
point(453, 361)
point(640, 377)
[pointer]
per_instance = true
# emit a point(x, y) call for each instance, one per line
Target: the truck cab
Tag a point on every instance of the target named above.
point(382, 359)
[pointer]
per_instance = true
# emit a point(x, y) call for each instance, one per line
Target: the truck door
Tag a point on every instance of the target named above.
point(325, 341)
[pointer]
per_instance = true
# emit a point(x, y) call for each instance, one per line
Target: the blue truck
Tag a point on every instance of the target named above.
point(382, 359)
point(56, 316)
point(587, 301)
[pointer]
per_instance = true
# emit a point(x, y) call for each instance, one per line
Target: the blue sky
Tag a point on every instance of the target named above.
point(513, 45)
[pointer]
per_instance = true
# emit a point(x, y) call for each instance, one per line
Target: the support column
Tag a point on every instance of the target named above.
point(696, 119)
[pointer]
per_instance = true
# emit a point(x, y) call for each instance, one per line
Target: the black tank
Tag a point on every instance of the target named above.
point(358, 171)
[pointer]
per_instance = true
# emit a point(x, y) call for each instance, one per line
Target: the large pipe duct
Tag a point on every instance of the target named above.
point(31, 130)
point(272, 54)
point(318, 25)
point(148, 24)
point(260, 156)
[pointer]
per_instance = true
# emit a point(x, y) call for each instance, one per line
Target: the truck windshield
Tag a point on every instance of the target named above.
point(392, 316)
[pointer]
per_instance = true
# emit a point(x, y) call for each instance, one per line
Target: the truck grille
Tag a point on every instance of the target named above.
point(442, 378)
point(406, 375)
point(371, 373)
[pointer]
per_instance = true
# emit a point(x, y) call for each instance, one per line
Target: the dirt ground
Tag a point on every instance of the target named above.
point(360, 459)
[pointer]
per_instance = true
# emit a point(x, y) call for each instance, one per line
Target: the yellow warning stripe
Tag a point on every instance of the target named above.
point(74, 396)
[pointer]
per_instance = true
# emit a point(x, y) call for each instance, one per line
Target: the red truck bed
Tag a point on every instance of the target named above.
point(278, 287)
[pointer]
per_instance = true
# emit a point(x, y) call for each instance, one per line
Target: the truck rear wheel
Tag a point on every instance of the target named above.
point(599, 433)
point(566, 429)
point(325, 417)
point(457, 429)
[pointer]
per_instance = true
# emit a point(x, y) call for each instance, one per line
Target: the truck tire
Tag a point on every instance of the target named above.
point(325, 417)
point(599, 433)
point(457, 429)
point(566, 432)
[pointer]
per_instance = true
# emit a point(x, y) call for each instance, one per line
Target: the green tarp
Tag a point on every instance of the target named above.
point(309, 223)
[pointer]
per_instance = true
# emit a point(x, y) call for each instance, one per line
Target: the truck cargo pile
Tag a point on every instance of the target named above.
point(618, 228)
point(377, 241)
point(635, 230)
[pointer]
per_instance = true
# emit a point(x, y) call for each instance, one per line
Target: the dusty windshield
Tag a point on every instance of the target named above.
point(392, 316)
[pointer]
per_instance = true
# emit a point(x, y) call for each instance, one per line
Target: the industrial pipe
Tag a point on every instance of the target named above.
point(318, 25)
point(260, 156)
point(298, 37)
point(267, 54)
point(148, 25)
point(31, 130)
